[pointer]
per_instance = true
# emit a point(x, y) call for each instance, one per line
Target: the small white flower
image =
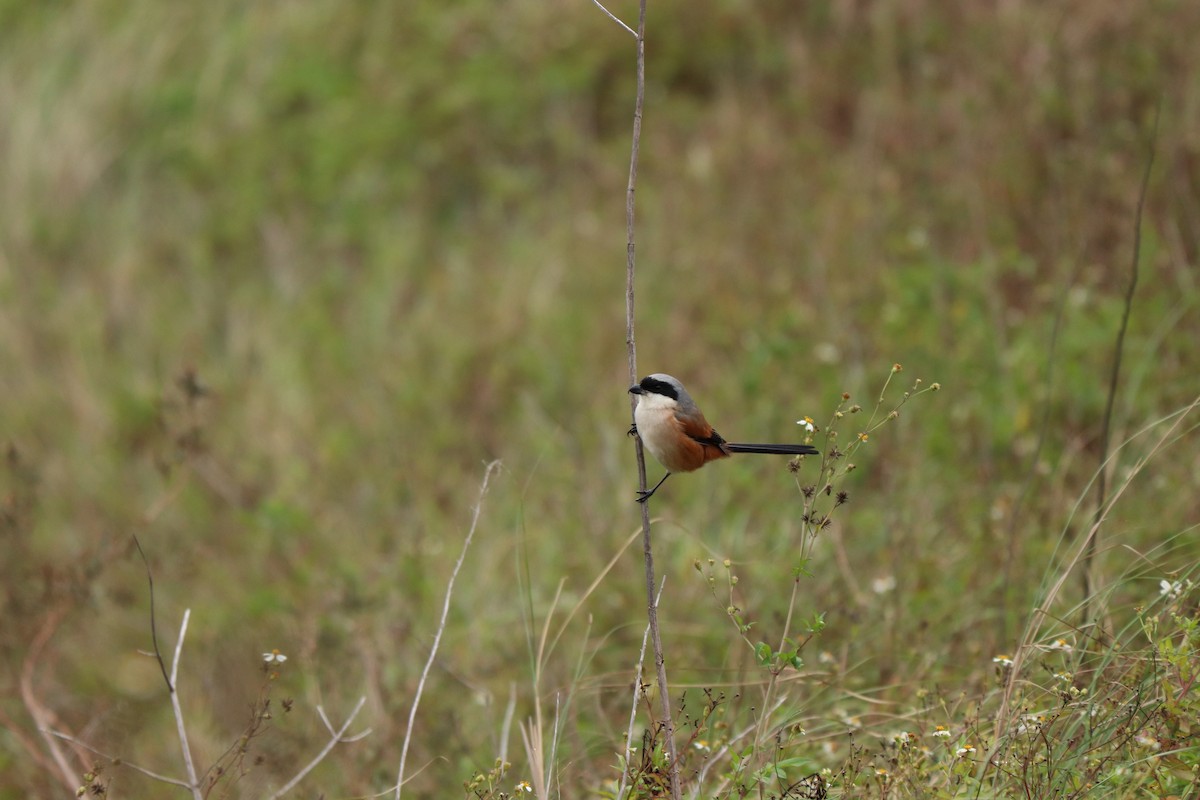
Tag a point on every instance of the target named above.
point(274, 657)
point(524, 786)
point(700, 744)
point(807, 424)
point(884, 584)
point(902, 738)
point(1004, 660)
point(1060, 644)
point(941, 732)
point(1170, 590)
point(965, 750)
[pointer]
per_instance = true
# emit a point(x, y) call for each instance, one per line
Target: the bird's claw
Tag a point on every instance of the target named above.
point(632, 430)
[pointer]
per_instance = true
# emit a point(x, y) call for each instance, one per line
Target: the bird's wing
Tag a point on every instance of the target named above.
point(700, 431)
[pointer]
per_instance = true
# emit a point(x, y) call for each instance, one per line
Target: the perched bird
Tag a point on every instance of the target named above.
point(674, 430)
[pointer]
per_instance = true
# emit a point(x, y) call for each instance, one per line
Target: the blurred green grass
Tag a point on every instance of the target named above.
point(390, 243)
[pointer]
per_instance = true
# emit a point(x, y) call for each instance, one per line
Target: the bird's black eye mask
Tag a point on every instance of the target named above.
point(659, 387)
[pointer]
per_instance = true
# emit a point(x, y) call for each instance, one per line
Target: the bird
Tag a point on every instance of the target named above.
point(674, 430)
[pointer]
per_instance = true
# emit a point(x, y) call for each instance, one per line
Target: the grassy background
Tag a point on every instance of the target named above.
point(388, 242)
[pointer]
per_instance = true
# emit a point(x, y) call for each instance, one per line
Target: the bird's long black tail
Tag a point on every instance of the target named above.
point(774, 449)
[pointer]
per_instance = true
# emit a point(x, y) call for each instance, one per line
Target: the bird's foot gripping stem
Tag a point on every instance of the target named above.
point(646, 494)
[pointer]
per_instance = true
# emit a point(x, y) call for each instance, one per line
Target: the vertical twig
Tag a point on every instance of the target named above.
point(41, 717)
point(437, 637)
point(153, 625)
point(1014, 517)
point(637, 691)
point(614, 18)
point(1118, 350)
point(173, 683)
point(651, 602)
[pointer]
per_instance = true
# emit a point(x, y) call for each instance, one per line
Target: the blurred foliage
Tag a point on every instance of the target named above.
point(277, 279)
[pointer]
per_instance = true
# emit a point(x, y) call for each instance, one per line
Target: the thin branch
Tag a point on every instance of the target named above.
point(32, 748)
point(613, 17)
point(630, 342)
point(41, 717)
point(1119, 349)
point(637, 691)
point(115, 760)
point(333, 742)
point(181, 731)
point(343, 739)
point(1012, 534)
point(153, 627)
point(437, 638)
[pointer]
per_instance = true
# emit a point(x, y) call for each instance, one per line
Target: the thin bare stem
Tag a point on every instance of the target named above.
point(333, 742)
point(153, 626)
point(1012, 535)
point(664, 690)
point(637, 692)
point(614, 18)
point(437, 638)
point(180, 729)
point(1118, 350)
point(343, 739)
point(41, 717)
point(114, 759)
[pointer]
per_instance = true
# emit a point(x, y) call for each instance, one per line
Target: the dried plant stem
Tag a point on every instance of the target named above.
point(1118, 350)
point(637, 693)
point(1012, 535)
point(134, 767)
point(630, 342)
point(615, 18)
point(41, 716)
point(180, 730)
point(437, 638)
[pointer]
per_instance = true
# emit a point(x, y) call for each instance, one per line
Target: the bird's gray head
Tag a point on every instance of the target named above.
point(667, 386)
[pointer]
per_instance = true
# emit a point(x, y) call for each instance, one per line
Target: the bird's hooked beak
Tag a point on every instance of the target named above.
point(636, 390)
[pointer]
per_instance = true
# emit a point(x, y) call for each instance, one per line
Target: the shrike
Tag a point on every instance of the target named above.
point(675, 432)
